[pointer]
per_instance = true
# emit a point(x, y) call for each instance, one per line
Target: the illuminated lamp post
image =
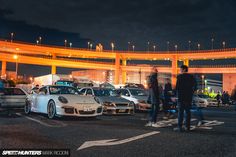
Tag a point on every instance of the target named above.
point(40, 40)
point(112, 46)
point(65, 41)
point(212, 43)
point(154, 48)
point(148, 43)
point(176, 47)
point(16, 58)
point(70, 45)
point(205, 84)
point(189, 45)
point(198, 46)
point(133, 47)
point(223, 44)
point(91, 46)
point(12, 36)
point(202, 82)
point(168, 45)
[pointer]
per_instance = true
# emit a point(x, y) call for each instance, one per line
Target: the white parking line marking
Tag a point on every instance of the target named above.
point(40, 122)
point(111, 142)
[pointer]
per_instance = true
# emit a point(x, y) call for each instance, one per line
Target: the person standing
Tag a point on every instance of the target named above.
point(185, 87)
point(153, 97)
point(233, 97)
point(218, 97)
point(167, 99)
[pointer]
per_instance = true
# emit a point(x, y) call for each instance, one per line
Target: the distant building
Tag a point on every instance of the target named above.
point(210, 85)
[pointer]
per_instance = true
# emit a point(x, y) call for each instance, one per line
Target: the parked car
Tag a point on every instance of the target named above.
point(13, 98)
point(137, 96)
point(112, 103)
point(62, 101)
point(202, 100)
point(134, 85)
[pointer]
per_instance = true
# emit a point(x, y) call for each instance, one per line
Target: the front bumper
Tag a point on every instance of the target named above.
point(78, 112)
point(118, 110)
point(143, 106)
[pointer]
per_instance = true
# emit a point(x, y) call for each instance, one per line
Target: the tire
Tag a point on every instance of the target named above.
point(51, 109)
point(27, 108)
point(135, 108)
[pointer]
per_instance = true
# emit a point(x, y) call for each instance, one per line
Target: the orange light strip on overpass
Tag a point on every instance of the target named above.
point(55, 62)
point(85, 53)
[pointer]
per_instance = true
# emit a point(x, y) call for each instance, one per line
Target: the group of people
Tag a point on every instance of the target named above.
point(185, 87)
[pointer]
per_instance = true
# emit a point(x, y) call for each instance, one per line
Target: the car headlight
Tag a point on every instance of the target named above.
point(109, 104)
point(131, 104)
point(97, 100)
point(141, 101)
point(62, 99)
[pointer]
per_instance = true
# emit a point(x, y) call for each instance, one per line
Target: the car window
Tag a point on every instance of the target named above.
point(125, 92)
point(138, 92)
point(43, 90)
point(17, 91)
point(89, 92)
point(83, 91)
point(62, 90)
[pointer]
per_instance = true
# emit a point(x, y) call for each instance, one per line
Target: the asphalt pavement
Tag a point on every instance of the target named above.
point(121, 136)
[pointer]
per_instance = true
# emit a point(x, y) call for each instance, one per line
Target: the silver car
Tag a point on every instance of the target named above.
point(112, 103)
point(13, 98)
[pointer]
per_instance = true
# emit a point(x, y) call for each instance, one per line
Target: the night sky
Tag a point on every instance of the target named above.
point(122, 21)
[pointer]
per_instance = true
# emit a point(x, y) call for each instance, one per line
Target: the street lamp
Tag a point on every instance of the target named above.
point(16, 58)
point(133, 47)
point(128, 45)
point(91, 46)
point(112, 46)
point(65, 41)
point(212, 43)
point(203, 82)
point(12, 36)
point(40, 40)
point(70, 45)
point(88, 44)
point(148, 46)
point(189, 45)
point(154, 48)
point(168, 44)
point(223, 43)
point(37, 42)
point(198, 46)
point(176, 47)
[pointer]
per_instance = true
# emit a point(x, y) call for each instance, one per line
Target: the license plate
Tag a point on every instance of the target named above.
point(122, 110)
point(87, 109)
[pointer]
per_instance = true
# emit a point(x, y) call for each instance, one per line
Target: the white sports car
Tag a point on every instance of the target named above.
point(62, 101)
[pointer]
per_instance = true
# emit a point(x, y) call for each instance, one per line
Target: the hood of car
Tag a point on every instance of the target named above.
point(112, 99)
point(79, 99)
point(144, 98)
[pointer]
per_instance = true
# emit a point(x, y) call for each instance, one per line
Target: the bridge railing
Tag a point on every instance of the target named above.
point(125, 51)
point(213, 66)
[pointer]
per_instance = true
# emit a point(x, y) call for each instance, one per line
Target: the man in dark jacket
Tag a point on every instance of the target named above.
point(185, 87)
point(153, 97)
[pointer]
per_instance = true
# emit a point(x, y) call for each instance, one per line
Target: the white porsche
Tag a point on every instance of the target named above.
point(62, 101)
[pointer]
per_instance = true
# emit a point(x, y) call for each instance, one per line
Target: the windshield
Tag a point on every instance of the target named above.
point(104, 92)
point(203, 96)
point(62, 90)
point(138, 92)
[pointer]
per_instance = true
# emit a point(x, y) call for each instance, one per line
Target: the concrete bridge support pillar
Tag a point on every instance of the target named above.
point(174, 71)
point(54, 68)
point(3, 72)
point(186, 62)
point(117, 68)
point(124, 62)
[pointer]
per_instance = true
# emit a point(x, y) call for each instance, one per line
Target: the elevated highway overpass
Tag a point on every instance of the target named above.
point(55, 56)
